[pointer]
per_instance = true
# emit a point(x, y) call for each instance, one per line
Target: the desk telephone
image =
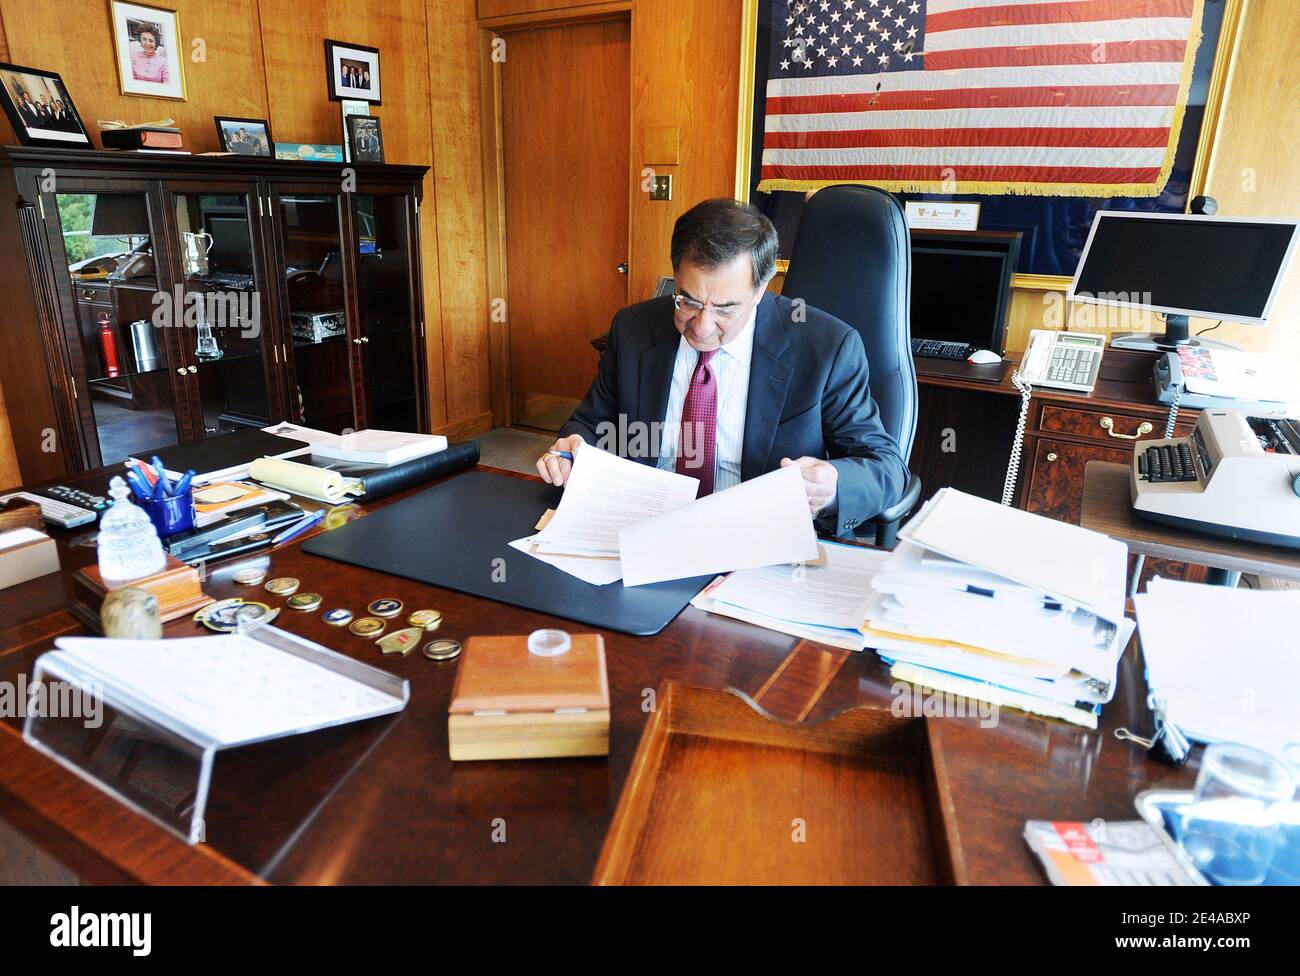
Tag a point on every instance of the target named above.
point(1236, 476)
point(1065, 360)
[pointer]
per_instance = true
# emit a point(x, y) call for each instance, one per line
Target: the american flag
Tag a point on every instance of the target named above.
point(1058, 97)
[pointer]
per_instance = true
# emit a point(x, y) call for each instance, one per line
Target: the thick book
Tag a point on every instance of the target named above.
point(155, 137)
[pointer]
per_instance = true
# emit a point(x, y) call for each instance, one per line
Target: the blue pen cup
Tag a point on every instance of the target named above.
point(170, 515)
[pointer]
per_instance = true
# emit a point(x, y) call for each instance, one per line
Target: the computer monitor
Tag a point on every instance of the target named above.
point(231, 250)
point(1225, 268)
point(961, 286)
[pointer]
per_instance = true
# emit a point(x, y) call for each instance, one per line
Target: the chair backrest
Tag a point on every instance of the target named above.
point(852, 258)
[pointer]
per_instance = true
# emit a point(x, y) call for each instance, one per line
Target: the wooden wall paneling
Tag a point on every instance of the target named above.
point(517, 11)
point(455, 97)
point(494, 214)
point(227, 81)
point(685, 74)
point(1257, 154)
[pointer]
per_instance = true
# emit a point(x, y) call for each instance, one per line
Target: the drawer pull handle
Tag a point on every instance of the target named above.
point(1108, 426)
point(1051, 456)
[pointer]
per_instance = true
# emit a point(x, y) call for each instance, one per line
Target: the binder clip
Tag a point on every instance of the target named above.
point(1169, 745)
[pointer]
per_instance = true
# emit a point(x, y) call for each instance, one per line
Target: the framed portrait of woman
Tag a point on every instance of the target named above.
point(148, 46)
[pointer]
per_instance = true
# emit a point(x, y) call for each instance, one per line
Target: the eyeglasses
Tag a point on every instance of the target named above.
point(724, 314)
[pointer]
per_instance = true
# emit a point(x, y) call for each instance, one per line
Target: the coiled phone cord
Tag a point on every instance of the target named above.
point(1173, 412)
point(1018, 445)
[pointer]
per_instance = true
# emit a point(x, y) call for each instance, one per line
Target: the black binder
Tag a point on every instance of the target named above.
point(222, 451)
point(449, 536)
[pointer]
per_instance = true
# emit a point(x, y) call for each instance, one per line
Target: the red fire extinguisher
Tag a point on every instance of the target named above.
point(108, 346)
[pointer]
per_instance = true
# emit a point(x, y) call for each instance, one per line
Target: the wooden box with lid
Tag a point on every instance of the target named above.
point(509, 703)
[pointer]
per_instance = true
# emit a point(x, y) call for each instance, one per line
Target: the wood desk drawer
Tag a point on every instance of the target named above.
point(1056, 477)
point(1107, 426)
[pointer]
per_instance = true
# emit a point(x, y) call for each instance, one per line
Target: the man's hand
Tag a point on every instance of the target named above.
point(820, 480)
point(555, 470)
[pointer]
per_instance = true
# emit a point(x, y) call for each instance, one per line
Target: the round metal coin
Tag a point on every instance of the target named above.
point(282, 586)
point(251, 576)
point(220, 616)
point(427, 620)
point(337, 618)
point(387, 607)
point(442, 650)
point(304, 601)
point(367, 627)
point(255, 613)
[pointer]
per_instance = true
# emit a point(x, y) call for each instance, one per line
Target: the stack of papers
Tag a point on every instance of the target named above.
point(825, 600)
point(1222, 661)
point(378, 447)
point(646, 526)
point(1003, 606)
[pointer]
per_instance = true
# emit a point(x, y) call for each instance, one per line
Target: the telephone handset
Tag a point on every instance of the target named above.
point(1065, 360)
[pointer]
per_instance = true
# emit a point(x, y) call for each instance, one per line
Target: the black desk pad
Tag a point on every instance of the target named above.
point(449, 536)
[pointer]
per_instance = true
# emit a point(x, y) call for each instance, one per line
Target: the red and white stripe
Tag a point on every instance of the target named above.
point(1012, 91)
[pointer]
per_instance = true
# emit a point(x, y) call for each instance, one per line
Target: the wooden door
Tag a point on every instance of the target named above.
point(565, 143)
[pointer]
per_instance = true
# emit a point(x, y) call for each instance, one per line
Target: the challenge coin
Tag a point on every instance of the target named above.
point(282, 586)
point(250, 576)
point(442, 650)
point(337, 618)
point(255, 613)
point(220, 616)
point(304, 601)
point(427, 620)
point(367, 627)
point(387, 607)
point(400, 641)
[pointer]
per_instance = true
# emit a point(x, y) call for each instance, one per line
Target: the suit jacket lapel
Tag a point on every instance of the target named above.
point(769, 378)
point(655, 383)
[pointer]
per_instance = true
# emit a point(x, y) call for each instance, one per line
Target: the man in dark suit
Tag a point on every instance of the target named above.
point(724, 381)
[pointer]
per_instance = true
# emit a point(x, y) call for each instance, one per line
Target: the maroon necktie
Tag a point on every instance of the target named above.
point(697, 441)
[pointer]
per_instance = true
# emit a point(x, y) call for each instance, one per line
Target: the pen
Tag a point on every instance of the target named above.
point(299, 527)
point(138, 484)
point(160, 489)
point(183, 485)
point(162, 474)
point(567, 455)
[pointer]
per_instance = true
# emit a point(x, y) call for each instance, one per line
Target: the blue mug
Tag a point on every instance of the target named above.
point(171, 515)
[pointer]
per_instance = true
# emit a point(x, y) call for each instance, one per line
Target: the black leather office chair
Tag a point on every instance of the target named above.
point(852, 258)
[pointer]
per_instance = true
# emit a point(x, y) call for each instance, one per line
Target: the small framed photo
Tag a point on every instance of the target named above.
point(40, 108)
point(247, 137)
point(352, 71)
point(367, 139)
point(148, 42)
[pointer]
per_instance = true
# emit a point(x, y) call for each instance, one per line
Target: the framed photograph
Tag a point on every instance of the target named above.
point(40, 108)
point(351, 108)
point(352, 71)
point(247, 137)
point(148, 42)
point(367, 139)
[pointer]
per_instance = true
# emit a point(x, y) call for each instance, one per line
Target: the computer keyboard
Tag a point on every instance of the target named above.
point(1168, 462)
point(941, 349)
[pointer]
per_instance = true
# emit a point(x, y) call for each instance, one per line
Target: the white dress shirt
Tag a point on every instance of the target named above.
point(730, 368)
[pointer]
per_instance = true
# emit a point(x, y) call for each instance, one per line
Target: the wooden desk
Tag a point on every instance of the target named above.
point(381, 801)
point(1106, 508)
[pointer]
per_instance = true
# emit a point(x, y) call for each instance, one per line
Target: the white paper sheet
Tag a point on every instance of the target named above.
point(831, 595)
point(1224, 660)
point(605, 493)
point(760, 522)
point(228, 687)
point(596, 571)
point(1081, 567)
